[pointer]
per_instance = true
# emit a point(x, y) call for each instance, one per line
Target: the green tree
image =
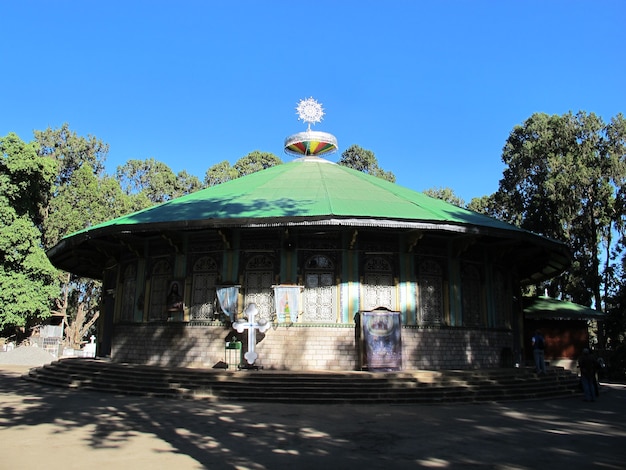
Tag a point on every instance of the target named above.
point(255, 161)
point(28, 282)
point(82, 195)
point(71, 151)
point(88, 200)
point(186, 184)
point(563, 179)
point(445, 194)
point(486, 205)
point(154, 180)
point(219, 173)
point(614, 327)
point(364, 160)
point(27, 180)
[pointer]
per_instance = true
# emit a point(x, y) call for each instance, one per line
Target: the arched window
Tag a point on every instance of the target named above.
point(502, 299)
point(204, 275)
point(259, 278)
point(160, 275)
point(430, 287)
point(320, 291)
point(129, 286)
point(471, 295)
point(378, 287)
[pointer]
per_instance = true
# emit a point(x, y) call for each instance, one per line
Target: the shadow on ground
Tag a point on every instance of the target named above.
point(561, 433)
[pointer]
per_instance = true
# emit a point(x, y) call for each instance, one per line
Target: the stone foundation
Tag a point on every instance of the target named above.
point(325, 347)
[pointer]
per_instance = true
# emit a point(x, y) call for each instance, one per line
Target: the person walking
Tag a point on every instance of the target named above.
point(538, 346)
point(587, 365)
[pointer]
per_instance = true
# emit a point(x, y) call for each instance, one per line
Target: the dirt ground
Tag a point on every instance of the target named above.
point(53, 428)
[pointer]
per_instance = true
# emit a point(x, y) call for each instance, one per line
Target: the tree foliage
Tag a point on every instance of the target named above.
point(445, 194)
point(154, 181)
point(56, 185)
point(564, 178)
point(220, 173)
point(185, 184)
point(27, 180)
point(486, 205)
point(79, 304)
point(87, 201)
point(82, 196)
point(27, 279)
point(255, 161)
point(71, 151)
point(360, 159)
point(74, 158)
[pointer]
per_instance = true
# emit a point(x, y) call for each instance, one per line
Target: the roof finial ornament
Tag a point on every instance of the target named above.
point(310, 143)
point(310, 111)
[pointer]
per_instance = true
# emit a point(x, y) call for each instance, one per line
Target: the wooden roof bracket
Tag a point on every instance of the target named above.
point(415, 237)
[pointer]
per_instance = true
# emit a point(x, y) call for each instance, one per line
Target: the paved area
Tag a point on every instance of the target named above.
point(52, 428)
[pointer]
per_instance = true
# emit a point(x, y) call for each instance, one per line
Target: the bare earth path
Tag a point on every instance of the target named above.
point(51, 428)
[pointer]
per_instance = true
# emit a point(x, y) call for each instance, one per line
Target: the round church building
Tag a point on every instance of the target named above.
point(310, 265)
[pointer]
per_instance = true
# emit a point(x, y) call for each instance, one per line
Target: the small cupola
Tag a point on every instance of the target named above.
point(310, 143)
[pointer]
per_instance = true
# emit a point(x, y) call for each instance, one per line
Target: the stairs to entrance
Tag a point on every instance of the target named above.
point(308, 387)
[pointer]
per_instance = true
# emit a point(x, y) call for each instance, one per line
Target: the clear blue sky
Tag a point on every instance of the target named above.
point(432, 88)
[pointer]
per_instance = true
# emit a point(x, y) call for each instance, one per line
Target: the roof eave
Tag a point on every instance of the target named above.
point(61, 254)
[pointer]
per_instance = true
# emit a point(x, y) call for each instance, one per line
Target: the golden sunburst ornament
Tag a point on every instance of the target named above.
point(310, 111)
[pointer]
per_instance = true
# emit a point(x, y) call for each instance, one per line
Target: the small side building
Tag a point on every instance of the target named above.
point(564, 325)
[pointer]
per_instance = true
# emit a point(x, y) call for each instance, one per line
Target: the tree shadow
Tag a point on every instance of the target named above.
point(566, 432)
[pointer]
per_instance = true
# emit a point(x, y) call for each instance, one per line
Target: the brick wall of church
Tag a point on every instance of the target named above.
point(306, 348)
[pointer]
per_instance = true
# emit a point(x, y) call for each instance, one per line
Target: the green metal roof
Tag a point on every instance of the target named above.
point(306, 189)
point(309, 191)
point(539, 308)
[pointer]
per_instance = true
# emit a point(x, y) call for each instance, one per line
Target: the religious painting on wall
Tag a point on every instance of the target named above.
point(287, 300)
point(175, 303)
point(381, 340)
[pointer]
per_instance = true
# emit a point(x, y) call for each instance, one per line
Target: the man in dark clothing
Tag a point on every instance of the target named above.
point(587, 365)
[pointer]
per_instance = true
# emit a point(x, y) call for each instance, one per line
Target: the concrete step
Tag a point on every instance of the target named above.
point(307, 387)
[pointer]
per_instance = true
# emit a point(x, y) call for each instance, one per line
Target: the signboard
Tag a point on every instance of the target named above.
point(381, 343)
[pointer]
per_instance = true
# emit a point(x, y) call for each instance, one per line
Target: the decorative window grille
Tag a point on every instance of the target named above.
point(502, 314)
point(129, 286)
point(203, 288)
point(471, 294)
point(259, 278)
point(320, 291)
point(378, 288)
point(430, 284)
point(161, 274)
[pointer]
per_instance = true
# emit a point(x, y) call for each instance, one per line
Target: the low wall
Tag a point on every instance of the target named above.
point(319, 347)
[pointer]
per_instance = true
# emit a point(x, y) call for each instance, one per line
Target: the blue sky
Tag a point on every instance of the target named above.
point(433, 88)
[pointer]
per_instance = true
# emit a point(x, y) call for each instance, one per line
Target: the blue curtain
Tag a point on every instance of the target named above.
point(227, 297)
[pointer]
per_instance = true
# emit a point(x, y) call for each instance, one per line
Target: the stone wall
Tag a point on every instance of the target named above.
point(306, 347)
